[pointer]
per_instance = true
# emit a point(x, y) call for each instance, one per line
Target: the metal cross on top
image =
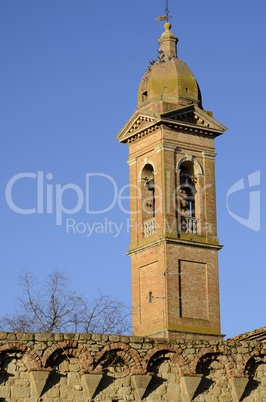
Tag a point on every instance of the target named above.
point(166, 16)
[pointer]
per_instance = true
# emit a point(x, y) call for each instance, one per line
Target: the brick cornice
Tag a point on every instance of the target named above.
point(169, 240)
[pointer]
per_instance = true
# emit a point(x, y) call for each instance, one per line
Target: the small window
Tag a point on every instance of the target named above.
point(150, 297)
point(144, 96)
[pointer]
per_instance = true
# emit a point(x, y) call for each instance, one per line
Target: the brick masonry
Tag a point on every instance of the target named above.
point(92, 367)
point(174, 273)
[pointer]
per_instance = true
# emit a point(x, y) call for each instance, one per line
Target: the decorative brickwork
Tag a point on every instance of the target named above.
point(84, 367)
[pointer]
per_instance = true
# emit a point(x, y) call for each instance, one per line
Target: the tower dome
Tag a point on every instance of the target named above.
point(168, 81)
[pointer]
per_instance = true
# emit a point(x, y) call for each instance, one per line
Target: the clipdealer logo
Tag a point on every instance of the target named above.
point(51, 197)
point(250, 189)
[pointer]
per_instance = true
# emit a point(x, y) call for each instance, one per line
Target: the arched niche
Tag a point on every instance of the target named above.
point(188, 172)
point(148, 192)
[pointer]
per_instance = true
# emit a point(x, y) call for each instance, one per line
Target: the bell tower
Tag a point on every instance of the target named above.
point(174, 245)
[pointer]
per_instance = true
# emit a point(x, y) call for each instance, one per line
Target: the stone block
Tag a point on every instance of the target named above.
point(238, 387)
point(96, 337)
point(38, 380)
point(90, 383)
point(20, 389)
point(44, 336)
point(140, 383)
point(189, 385)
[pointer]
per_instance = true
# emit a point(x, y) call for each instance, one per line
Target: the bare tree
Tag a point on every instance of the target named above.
point(54, 308)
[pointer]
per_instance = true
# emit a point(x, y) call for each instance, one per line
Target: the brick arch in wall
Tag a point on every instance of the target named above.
point(254, 371)
point(146, 162)
point(123, 351)
point(210, 354)
point(69, 349)
point(56, 350)
point(251, 360)
point(85, 359)
point(172, 353)
point(31, 360)
point(193, 160)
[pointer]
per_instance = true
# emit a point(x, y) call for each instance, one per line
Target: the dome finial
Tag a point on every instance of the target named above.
point(168, 41)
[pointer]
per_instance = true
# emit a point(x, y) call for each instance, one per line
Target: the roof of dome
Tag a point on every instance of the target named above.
point(168, 80)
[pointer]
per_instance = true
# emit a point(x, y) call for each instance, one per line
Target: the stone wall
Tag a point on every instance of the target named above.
point(91, 367)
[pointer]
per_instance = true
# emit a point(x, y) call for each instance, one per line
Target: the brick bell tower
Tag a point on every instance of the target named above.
point(174, 245)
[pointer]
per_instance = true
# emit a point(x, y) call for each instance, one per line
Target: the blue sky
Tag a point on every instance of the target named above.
point(69, 75)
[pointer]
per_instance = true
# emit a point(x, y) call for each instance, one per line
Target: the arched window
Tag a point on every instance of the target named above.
point(148, 200)
point(187, 189)
point(187, 194)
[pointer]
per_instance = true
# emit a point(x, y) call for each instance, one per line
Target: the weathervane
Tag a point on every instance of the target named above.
point(166, 16)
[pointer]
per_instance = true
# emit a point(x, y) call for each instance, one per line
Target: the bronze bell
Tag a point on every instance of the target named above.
point(150, 185)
